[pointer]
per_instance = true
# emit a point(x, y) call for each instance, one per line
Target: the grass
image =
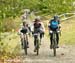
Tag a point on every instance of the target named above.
point(9, 46)
point(68, 32)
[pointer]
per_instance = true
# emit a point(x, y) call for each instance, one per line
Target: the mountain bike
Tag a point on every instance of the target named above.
point(25, 45)
point(36, 35)
point(54, 43)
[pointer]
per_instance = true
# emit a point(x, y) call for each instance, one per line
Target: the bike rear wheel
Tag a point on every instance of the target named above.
point(54, 47)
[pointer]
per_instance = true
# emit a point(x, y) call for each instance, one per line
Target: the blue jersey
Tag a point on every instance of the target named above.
point(54, 24)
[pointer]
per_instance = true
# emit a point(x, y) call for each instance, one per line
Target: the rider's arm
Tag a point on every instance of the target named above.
point(43, 27)
point(49, 24)
point(19, 31)
point(59, 24)
point(21, 28)
point(32, 27)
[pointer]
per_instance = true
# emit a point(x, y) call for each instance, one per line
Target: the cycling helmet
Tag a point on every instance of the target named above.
point(24, 23)
point(37, 19)
point(26, 10)
point(56, 17)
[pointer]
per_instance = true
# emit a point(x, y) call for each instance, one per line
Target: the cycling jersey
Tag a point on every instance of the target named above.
point(38, 27)
point(24, 29)
point(53, 24)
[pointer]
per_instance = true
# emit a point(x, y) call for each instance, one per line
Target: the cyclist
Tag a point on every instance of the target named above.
point(24, 29)
point(37, 27)
point(25, 17)
point(54, 25)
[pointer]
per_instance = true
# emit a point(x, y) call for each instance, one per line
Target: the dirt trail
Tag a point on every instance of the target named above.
point(64, 54)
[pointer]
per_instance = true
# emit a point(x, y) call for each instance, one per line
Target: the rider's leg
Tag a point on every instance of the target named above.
point(57, 35)
point(21, 36)
point(51, 37)
point(29, 31)
point(34, 41)
point(27, 41)
point(43, 34)
point(35, 38)
point(40, 37)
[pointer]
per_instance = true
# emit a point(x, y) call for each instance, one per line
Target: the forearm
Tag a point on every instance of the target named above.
point(43, 27)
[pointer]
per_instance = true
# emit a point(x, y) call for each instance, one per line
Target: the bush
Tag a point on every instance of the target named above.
point(8, 24)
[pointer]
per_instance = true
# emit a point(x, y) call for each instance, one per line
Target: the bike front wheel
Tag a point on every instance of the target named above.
point(54, 49)
point(37, 47)
point(25, 47)
point(25, 51)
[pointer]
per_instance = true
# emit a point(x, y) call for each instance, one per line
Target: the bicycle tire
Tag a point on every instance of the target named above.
point(25, 47)
point(25, 51)
point(37, 47)
point(38, 51)
point(54, 48)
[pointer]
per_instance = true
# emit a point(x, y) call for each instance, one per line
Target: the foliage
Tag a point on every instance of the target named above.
point(8, 24)
point(13, 8)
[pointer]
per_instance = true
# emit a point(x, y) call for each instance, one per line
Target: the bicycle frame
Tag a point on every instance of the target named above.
point(37, 42)
point(54, 42)
point(54, 37)
point(25, 43)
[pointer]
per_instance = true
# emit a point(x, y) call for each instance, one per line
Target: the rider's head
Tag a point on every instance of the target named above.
point(24, 23)
point(27, 11)
point(56, 17)
point(37, 19)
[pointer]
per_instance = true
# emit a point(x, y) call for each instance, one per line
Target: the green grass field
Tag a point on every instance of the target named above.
point(68, 32)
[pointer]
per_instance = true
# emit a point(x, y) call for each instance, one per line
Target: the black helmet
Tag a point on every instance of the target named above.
point(24, 23)
point(56, 17)
point(37, 19)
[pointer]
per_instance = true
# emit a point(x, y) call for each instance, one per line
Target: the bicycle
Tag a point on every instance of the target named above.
point(36, 35)
point(54, 42)
point(25, 43)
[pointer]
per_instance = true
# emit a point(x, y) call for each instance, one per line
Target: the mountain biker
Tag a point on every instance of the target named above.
point(38, 27)
point(24, 30)
point(54, 25)
point(25, 17)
